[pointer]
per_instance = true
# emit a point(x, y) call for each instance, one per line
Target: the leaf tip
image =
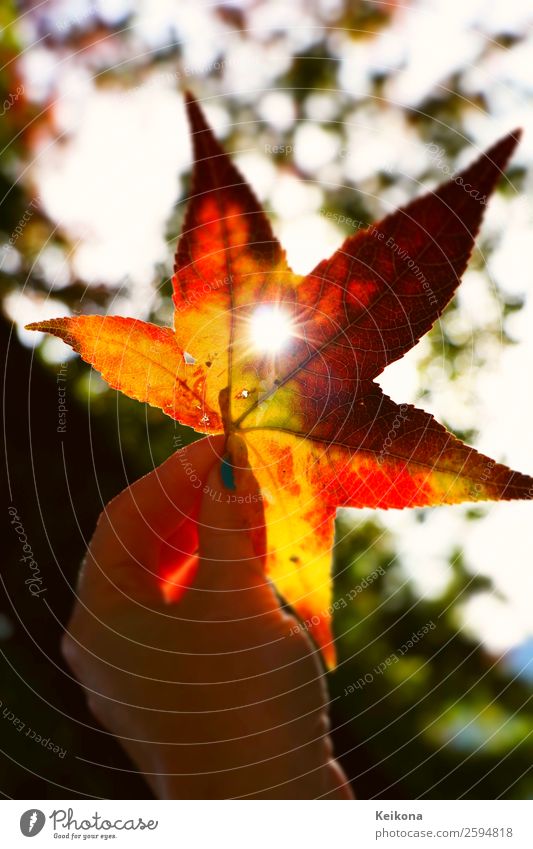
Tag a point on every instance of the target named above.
point(46, 325)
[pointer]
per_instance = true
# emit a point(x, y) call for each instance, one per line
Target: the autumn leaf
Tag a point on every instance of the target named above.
point(288, 362)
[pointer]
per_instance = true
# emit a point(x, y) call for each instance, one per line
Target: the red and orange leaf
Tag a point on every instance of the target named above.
point(320, 433)
point(143, 361)
point(376, 453)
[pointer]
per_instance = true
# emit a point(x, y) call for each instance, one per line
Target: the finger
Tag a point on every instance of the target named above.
point(164, 496)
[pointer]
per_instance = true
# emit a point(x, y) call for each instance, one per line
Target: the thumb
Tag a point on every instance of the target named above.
point(231, 524)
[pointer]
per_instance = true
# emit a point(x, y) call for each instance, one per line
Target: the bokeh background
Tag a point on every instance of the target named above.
point(332, 110)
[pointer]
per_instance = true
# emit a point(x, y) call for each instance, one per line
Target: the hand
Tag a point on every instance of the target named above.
point(210, 694)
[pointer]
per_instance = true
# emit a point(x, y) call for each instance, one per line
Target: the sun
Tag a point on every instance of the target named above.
point(270, 329)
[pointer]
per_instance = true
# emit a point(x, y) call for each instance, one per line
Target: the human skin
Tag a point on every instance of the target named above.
point(212, 695)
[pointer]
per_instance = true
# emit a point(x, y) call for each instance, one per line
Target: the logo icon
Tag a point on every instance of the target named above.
point(32, 822)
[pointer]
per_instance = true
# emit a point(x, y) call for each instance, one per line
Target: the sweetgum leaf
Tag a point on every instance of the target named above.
point(320, 433)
